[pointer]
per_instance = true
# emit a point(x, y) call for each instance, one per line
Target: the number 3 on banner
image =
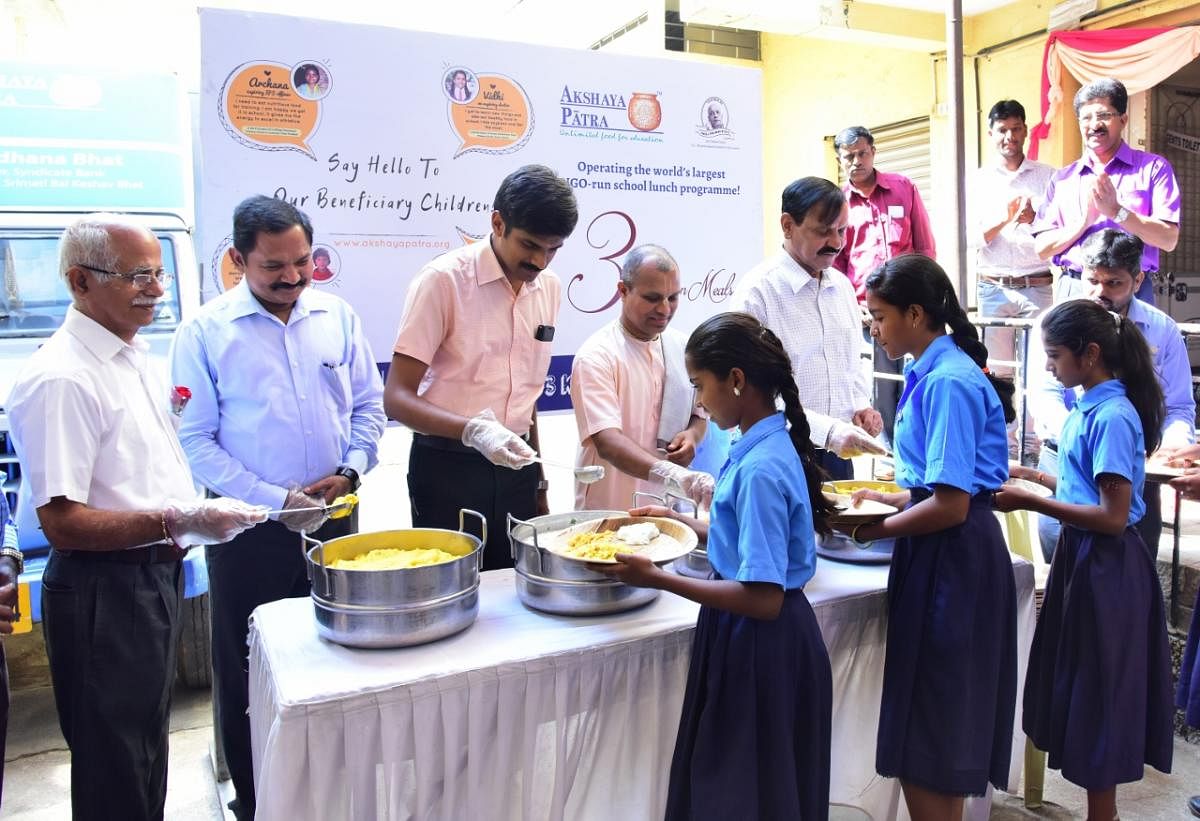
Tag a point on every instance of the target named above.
point(631, 231)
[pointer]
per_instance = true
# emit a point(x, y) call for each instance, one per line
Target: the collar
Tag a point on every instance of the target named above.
point(882, 180)
point(936, 350)
point(1100, 393)
point(1124, 155)
point(758, 431)
point(487, 266)
point(1137, 315)
point(1002, 168)
point(103, 343)
point(797, 277)
point(243, 302)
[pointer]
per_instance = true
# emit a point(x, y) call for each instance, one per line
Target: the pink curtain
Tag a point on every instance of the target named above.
point(1139, 58)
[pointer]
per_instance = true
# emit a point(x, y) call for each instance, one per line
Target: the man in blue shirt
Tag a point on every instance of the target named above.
point(286, 411)
point(1111, 276)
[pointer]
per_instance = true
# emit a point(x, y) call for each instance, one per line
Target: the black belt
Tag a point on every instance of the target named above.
point(150, 554)
point(445, 443)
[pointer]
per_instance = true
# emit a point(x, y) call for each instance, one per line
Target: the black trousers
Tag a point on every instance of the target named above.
point(111, 633)
point(261, 565)
point(440, 482)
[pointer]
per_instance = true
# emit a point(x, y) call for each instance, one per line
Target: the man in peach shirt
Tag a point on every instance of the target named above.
point(634, 405)
point(471, 359)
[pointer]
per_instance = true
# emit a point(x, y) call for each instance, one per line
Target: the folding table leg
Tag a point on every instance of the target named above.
point(1035, 775)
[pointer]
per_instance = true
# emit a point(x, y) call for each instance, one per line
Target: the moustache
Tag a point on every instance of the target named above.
point(1104, 301)
point(531, 268)
point(829, 249)
point(288, 286)
point(1098, 132)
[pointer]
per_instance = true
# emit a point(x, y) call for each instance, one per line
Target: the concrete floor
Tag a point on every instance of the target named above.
point(37, 768)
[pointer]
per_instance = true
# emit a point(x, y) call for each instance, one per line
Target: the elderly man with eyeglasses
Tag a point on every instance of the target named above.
point(1113, 185)
point(92, 425)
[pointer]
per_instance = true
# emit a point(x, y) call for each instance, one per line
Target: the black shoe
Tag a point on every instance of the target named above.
point(235, 806)
point(1194, 805)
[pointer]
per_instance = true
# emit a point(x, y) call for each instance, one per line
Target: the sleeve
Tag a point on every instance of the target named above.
point(594, 394)
point(1049, 215)
point(58, 429)
point(952, 411)
point(1175, 375)
point(212, 466)
point(367, 419)
point(1046, 400)
point(428, 316)
point(1115, 443)
point(922, 233)
point(1164, 192)
point(764, 528)
point(748, 298)
point(979, 203)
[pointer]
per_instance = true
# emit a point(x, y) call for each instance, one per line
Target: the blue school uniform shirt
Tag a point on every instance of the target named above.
point(1102, 434)
point(761, 525)
point(949, 424)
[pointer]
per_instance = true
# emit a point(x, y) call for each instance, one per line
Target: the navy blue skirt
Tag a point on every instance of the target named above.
point(1187, 695)
point(950, 674)
point(1098, 690)
point(755, 731)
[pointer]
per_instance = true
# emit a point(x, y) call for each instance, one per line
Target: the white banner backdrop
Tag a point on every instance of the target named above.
point(394, 142)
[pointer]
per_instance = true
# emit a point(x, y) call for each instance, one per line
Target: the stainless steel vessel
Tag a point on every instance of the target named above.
point(695, 564)
point(548, 582)
point(402, 607)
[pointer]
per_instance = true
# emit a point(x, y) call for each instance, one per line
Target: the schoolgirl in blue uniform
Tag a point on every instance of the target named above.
point(949, 681)
point(1098, 688)
point(754, 735)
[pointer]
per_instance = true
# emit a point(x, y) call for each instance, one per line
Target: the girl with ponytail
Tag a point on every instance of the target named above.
point(950, 677)
point(754, 735)
point(1098, 687)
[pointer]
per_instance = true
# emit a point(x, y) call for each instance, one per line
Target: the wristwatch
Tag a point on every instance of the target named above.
point(16, 556)
point(351, 474)
point(1121, 215)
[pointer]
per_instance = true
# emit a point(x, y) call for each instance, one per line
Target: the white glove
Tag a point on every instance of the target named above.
point(848, 440)
point(307, 520)
point(694, 484)
point(499, 444)
point(210, 521)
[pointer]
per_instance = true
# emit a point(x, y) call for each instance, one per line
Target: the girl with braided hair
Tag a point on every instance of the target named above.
point(1098, 689)
point(754, 735)
point(950, 670)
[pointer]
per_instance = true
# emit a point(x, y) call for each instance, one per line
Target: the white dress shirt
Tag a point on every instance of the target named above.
point(820, 325)
point(91, 422)
point(1011, 252)
point(273, 405)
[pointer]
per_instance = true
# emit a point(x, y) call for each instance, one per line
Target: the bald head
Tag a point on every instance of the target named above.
point(648, 257)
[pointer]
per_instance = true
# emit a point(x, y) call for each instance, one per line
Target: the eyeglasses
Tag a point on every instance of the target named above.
point(1101, 117)
point(140, 280)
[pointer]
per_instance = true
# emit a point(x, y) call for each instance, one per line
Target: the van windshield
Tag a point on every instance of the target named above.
point(33, 297)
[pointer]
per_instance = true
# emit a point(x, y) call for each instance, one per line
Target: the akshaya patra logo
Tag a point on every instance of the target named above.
point(610, 115)
point(714, 121)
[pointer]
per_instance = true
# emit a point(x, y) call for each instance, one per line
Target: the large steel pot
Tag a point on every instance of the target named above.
point(548, 582)
point(402, 607)
point(695, 563)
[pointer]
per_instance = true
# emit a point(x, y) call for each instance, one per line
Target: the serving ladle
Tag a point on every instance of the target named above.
point(584, 475)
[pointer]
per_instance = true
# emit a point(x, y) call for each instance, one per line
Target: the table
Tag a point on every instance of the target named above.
point(531, 716)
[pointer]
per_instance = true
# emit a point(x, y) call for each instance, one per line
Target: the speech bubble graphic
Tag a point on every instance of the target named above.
point(497, 120)
point(260, 109)
point(226, 274)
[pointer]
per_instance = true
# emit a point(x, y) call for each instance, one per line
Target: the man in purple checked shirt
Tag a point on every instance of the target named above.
point(1113, 185)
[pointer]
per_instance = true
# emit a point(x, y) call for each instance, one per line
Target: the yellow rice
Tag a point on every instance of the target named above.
point(390, 558)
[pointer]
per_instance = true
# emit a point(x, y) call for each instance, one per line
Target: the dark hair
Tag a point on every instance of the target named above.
point(535, 199)
point(735, 340)
point(851, 135)
point(265, 215)
point(807, 193)
point(322, 252)
point(915, 279)
point(302, 72)
point(1113, 249)
point(1075, 324)
point(1004, 110)
point(1106, 88)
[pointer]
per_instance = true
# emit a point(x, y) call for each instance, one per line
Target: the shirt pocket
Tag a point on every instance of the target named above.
point(335, 379)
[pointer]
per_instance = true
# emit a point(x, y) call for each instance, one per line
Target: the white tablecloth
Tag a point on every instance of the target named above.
point(532, 716)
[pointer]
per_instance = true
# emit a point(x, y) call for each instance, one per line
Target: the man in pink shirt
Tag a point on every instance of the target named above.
point(634, 405)
point(471, 359)
point(887, 219)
